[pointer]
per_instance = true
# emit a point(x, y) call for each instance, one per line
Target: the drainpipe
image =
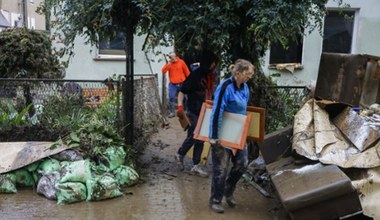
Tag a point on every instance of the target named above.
point(24, 8)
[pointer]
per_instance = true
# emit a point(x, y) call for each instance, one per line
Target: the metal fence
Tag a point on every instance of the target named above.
point(41, 102)
point(38, 91)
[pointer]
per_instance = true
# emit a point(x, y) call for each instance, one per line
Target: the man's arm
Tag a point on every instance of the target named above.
point(165, 68)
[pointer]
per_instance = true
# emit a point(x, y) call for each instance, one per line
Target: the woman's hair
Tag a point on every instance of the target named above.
point(241, 66)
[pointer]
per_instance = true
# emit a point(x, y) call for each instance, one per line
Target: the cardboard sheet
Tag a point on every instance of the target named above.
point(317, 138)
point(15, 155)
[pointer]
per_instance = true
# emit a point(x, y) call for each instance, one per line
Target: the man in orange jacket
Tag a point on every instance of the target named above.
point(178, 72)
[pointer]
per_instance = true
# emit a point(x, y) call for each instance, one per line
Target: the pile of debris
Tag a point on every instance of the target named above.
point(62, 174)
point(333, 133)
point(327, 164)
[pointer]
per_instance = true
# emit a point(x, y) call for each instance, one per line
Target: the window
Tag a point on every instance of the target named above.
point(113, 47)
point(338, 31)
point(292, 54)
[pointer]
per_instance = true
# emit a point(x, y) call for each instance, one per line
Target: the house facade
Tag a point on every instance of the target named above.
point(353, 30)
point(346, 30)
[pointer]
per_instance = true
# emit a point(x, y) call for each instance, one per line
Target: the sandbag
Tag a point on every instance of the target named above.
point(24, 178)
point(126, 176)
point(46, 185)
point(8, 183)
point(112, 158)
point(102, 187)
point(32, 167)
point(70, 192)
point(77, 171)
point(49, 165)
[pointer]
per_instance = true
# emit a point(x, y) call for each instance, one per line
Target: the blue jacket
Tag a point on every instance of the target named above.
point(229, 98)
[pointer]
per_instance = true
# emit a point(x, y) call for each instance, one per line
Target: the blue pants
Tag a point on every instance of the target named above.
point(173, 90)
point(190, 141)
point(223, 184)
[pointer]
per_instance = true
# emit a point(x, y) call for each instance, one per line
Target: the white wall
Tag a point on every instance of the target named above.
point(365, 41)
point(84, 64)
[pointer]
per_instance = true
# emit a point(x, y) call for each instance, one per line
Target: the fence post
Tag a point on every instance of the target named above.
point(164, 104)
point(124, 109)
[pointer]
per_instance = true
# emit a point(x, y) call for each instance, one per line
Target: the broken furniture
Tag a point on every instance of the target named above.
point(313, 191)
point(353, 79)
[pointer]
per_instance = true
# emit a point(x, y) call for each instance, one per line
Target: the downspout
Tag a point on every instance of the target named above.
point(24, 8)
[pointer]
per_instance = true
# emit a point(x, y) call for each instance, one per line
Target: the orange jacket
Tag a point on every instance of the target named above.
point(178, 71)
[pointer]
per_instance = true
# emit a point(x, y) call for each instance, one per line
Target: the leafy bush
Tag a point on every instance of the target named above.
point(68, 118)
point(10, 117)
point(28, 54)
point(108, 111)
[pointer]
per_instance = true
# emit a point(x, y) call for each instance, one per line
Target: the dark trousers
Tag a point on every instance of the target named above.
point(190, 141)
point(224, 183)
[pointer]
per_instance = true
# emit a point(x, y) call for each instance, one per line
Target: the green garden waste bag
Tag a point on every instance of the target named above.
point(126, 176)
point(102, 187)
point(45, 167)
point(48, 166)
point(8, 183)
point(33, 167)
point(76, 171)
point(24, 177)
point(112, 158)
point(70, 192)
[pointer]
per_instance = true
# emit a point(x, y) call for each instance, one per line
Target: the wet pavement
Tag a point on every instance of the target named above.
point(164, 192)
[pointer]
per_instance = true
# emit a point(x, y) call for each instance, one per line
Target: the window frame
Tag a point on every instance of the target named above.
point(109, 53)
point(355, 12)
point(285, 64)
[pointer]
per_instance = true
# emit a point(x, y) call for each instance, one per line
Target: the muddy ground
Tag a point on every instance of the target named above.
point(164, 192)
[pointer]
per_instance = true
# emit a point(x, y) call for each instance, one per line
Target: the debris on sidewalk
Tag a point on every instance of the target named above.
point(71, 180)
point(257, 176)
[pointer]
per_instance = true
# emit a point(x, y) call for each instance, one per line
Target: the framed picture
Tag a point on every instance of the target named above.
point(256, 130)
point(234, 128)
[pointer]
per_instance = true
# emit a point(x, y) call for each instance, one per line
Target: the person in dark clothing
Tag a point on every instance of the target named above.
point(196, 86)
